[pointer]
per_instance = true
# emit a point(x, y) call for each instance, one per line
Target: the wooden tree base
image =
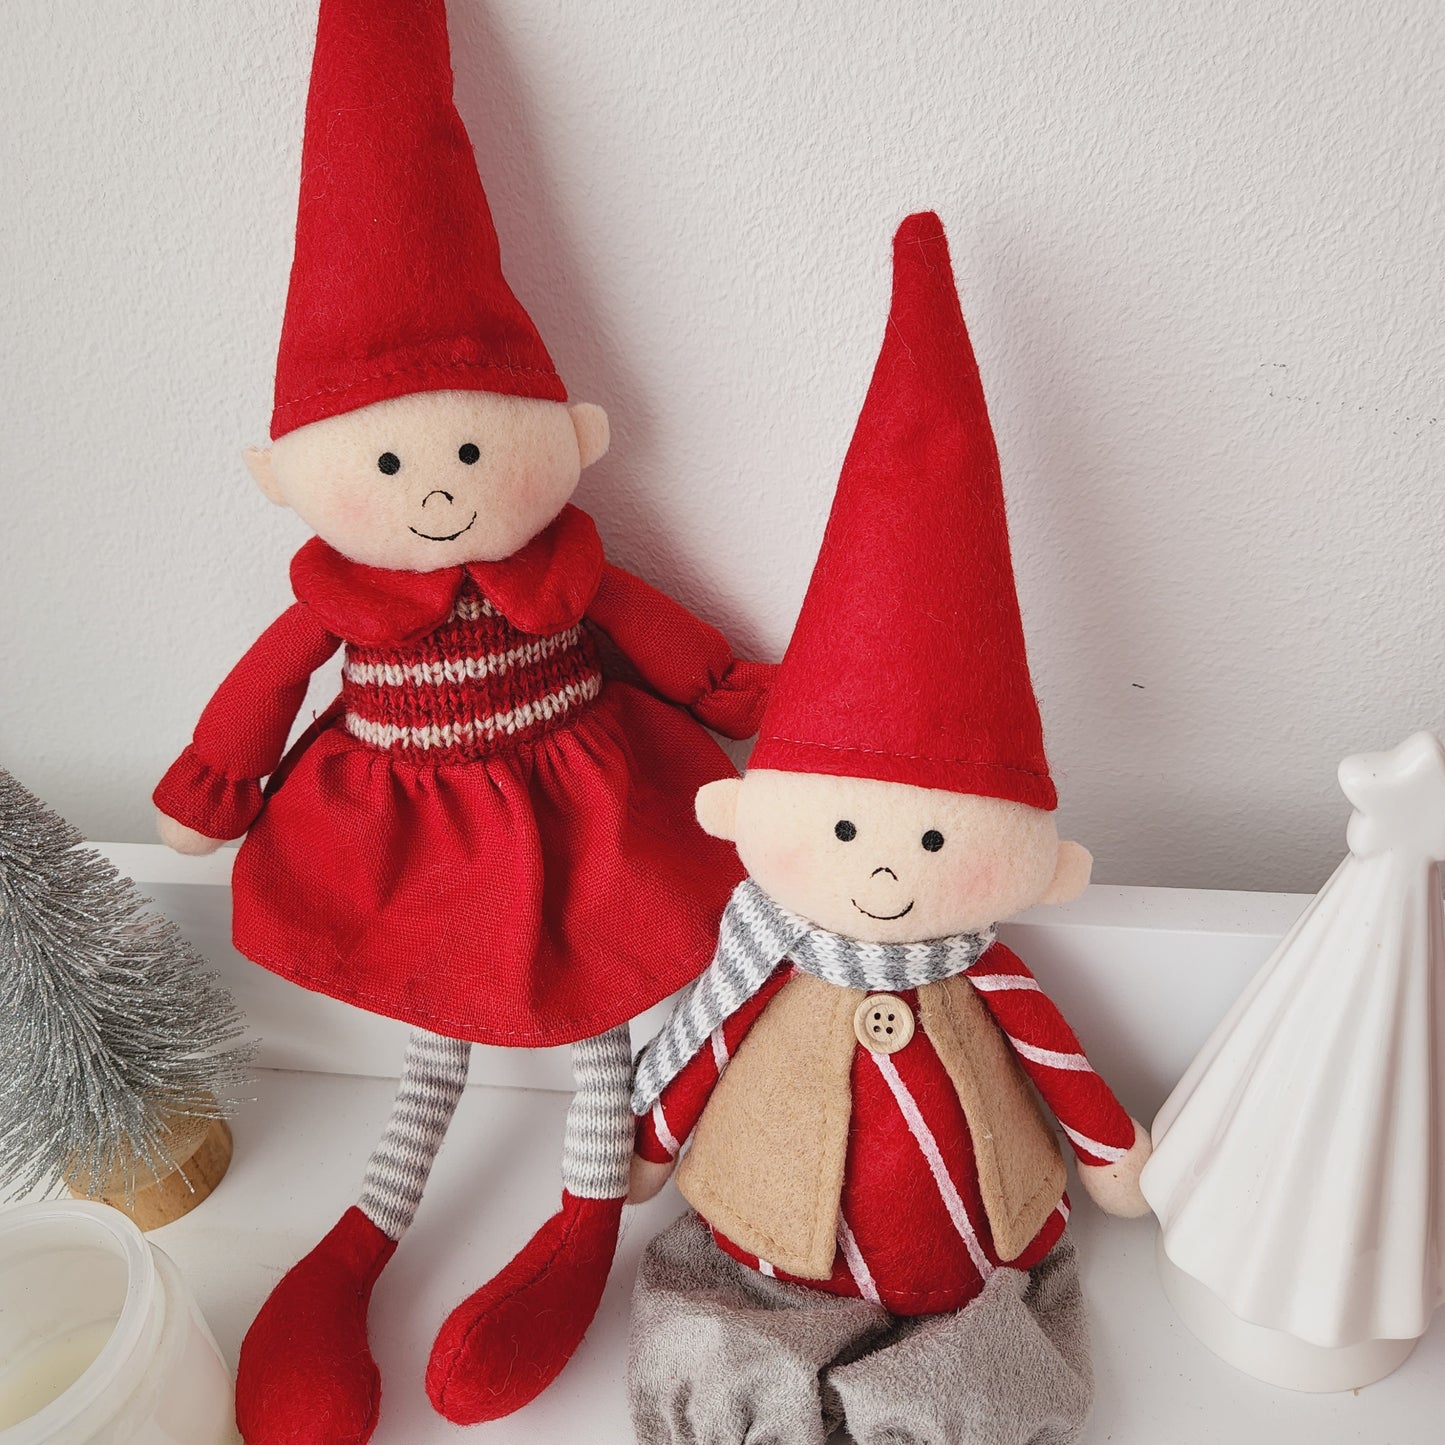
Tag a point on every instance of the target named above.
point(175, 1194)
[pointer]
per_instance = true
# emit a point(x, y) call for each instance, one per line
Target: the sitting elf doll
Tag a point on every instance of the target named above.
point(879, 1227)
point(489, 835)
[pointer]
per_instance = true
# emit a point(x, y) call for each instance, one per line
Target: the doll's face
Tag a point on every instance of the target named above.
point(435, 479)
point(889, 862)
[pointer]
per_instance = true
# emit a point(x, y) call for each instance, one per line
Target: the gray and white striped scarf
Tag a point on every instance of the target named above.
point(756, 935)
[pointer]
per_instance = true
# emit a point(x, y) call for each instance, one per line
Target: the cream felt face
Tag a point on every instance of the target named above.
point(435, 479)
point(889, 862)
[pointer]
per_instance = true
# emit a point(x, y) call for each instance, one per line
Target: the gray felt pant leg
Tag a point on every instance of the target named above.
point(432, 1079)
point(1011, 1368)
point(722, 1355)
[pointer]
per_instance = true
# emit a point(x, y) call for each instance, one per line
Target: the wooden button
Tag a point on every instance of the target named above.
point(883, 1023)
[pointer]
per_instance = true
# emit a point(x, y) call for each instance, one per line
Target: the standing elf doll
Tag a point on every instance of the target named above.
point(880, 1209)
point(486, 836)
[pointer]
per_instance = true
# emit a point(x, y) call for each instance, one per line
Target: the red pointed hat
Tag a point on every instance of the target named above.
point(908, 661)
point(396, 285)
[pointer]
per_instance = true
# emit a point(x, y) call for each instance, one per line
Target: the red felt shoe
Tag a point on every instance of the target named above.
point(306, 1376)
point(501, 1347)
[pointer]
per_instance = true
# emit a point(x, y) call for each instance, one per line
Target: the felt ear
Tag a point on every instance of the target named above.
point(259, 464)
point(717, 808)
point(593, 432)
point(1071, 874)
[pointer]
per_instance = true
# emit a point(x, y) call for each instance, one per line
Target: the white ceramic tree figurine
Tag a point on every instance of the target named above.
point(1299, 1166)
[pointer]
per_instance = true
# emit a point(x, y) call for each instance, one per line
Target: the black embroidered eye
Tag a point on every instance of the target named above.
point(844, 831)
point(389, 463)
point(933, 840)
point(468, 452)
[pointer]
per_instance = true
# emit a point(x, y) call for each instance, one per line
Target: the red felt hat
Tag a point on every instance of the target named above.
point(396, 285)
point(908, 661)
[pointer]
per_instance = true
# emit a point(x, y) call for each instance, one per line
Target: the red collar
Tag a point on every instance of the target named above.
point(545, 587)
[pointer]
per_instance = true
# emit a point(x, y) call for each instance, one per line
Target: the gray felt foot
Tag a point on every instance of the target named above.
point(722, 1355)
point(1011, 1368)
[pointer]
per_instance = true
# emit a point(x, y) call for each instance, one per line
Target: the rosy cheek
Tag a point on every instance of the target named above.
point(516, 497)
point(361, 522)
point(506, 486)
point(359, 511)
point(794, 862)
point(785, 868)
point(350, 509)
point(961, 885)
point(983, 881)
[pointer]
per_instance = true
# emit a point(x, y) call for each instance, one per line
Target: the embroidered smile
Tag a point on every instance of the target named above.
point(450, 536)
point(880, 917)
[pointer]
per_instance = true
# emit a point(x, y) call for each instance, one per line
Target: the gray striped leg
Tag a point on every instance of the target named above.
point(432, 1079)
point(597, 1147)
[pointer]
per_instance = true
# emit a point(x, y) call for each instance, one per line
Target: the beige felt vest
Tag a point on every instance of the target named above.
point(766, 1163)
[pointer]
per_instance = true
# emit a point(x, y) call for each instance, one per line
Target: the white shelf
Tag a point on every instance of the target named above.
point(300, 1150)
point(1143, 974)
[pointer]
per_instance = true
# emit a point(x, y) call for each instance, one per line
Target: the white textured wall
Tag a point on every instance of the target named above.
point(1200, 250)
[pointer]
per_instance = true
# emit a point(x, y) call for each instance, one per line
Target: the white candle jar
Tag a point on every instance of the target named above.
point(100, 1340)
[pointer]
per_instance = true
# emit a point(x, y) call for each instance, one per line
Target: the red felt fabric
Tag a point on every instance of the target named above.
point(908, 661)
point(501, 1347)
point(685, 661)
point(396, 284)
point(545, 587)
point(892, 1201)
point(306, 1375)
point(1078, 1097)
point(544, 892)
point(215, 784)
point(371, 606)
point(891, 1198)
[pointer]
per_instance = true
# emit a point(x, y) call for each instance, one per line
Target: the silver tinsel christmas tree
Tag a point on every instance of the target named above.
point(111, 1025)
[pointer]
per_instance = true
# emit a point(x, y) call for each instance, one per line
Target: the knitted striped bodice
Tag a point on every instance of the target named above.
point(474, 686)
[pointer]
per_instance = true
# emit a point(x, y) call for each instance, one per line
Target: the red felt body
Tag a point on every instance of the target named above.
point(396, 284)
point(900, 1219)
point(906, 1233)
point(907, 663)
point(541, 892)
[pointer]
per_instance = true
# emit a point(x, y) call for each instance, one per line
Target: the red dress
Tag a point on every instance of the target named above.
point(486, 835)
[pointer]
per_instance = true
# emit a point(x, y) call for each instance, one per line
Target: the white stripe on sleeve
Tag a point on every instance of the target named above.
point(1077, 1063)
point(1001, 982)
point(1108, 1152)
point(664, 1134)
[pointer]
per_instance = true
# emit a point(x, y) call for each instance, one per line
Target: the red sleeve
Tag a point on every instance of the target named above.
point(215, 785)
point(1097, 1124)
point(662, 1133)
point(680, 656)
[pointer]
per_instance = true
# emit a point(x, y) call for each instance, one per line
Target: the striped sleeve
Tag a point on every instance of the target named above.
point(1098, 1126)
point(662, 1132)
